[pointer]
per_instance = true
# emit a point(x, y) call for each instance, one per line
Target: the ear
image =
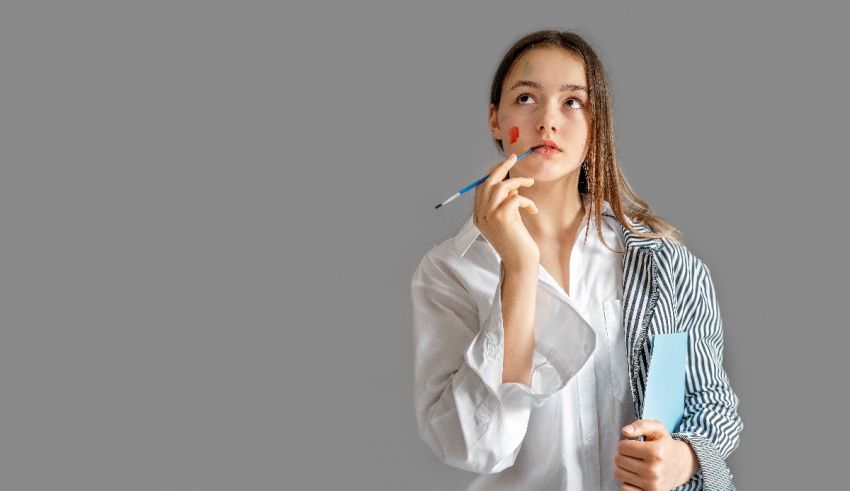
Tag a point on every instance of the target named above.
point(493, 122)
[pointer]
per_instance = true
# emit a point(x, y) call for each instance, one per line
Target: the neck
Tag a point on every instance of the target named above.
point(560, 205)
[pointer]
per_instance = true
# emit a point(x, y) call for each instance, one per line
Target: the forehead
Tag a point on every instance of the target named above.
point(550, 66)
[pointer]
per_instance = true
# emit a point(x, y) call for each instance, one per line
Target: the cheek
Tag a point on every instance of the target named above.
point(514, 134)
point(582, 121)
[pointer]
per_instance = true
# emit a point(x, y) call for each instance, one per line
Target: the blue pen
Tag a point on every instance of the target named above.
point(467, 188)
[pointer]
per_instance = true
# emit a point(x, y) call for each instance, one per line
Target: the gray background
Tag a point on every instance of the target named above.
point(211, 211)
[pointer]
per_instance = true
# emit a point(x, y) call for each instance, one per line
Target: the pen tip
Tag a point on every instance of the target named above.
point(438, 206)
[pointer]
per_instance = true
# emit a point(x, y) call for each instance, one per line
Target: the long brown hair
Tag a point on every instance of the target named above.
point(602, 176)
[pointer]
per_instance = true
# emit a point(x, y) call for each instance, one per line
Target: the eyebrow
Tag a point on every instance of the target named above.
point(537, 85)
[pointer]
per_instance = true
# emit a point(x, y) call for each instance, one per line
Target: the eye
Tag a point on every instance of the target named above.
point(526, 94)
point(581, 104)
point(522, 95)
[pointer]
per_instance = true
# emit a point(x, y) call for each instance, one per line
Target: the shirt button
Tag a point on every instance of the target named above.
point(589, 437)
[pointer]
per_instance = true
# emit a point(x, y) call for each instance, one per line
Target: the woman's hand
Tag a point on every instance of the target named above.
point(659, 463)
point(497, 204)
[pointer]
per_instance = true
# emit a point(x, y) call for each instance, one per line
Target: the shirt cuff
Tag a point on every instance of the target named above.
point(563, 342)
point(713, 474)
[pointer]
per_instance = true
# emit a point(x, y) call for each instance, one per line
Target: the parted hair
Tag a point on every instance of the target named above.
point(601, 176)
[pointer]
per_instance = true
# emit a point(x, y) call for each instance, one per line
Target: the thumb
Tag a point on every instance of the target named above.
point(652, 429)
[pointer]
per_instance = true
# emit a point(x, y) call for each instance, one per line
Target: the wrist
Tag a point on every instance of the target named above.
point(691, 466)
point(523, 268)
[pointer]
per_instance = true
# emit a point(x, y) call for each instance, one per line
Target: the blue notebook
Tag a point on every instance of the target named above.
point(665, 388)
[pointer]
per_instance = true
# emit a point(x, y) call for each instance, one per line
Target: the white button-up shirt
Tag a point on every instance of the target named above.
point(562, 431)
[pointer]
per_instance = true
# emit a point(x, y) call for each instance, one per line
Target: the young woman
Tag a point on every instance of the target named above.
point(532, 344)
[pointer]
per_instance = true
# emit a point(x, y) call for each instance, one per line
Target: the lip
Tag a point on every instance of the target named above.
point(547, 143)
point(545, 150)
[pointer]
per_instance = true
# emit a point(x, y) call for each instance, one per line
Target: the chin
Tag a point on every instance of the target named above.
point(547, 170)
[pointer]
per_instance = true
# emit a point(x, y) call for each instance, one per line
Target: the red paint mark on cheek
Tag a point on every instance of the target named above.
point(514, 134)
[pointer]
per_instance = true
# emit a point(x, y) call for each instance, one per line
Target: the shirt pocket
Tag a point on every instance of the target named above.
point(612, 310)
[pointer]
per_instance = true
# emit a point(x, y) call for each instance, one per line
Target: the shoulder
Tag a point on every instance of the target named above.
point(439, 266)
point(681, 266)
point(670, 250)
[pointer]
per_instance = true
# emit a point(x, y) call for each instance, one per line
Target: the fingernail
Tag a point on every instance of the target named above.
point(629, 429)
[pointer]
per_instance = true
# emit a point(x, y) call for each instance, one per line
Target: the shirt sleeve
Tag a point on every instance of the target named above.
point(710, 424)
point(467, 416)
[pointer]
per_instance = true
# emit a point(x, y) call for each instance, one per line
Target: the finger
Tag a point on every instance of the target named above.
point(628, 463)
point(501, 190)
point(518, 201)
point(501, 169)
point(481, 192)
point(496, 174)
point(652, 429)
point(632, 448)
point(496, 165)
point(628, 478)
point(629, 487)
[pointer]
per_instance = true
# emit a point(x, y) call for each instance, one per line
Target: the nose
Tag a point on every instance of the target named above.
point(549, 120)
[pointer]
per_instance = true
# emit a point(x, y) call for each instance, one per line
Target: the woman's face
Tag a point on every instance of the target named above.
point(544, 97)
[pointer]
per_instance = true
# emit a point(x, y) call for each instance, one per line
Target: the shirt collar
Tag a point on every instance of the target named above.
point(468, 232)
